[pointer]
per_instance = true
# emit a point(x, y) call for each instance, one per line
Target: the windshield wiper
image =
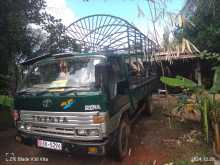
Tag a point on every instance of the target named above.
point(31, 91)
point(69, 89)
point(26, 92)
point(42, 92)
point(65, 87)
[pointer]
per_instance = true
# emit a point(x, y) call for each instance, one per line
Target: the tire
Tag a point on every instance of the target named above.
point(120, 147)
point(148, 106)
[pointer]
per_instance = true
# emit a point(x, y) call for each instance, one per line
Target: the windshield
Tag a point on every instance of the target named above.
point(74, 72)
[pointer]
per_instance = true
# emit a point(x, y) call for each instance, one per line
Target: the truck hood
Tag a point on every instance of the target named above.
point(88, 102)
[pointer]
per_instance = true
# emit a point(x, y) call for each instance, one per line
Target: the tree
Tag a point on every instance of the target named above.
point(19, 40)
point(57, 40)
point(205, 33)
point(14, 40)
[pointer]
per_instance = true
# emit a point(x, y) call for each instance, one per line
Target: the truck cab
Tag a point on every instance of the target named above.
point(81, 102)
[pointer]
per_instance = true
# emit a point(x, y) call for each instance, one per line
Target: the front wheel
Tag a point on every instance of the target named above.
point(120, 147)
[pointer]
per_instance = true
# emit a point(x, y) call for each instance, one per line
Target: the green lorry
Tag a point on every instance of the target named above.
point(84, 101)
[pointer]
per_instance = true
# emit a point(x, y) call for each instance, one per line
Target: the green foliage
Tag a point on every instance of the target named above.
point(185, 83)
point(4, 83)
point(6, 101)
point(15, 40)
point(204, 103)
point(213, 57)
point(179, 81)
point(206, 20)
point(205, 33)
point(216, 80)
point(20, 41)
point(15, 16)
point(204, 109)
point(57, 40)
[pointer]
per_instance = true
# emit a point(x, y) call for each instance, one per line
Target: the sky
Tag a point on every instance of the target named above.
point(71, 10)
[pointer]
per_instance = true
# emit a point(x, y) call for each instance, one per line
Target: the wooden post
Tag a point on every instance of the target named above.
point(198, 74)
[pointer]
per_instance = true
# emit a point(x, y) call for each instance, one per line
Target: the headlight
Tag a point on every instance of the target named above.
point(28, 127)
point(24, 126)
point(21, 126)
point(82, 132)
point(93, 132)
point(87, 132)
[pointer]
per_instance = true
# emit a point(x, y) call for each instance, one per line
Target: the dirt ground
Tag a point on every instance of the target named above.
point(152, 142)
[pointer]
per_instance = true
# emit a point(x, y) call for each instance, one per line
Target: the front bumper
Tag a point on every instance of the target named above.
point(67, 145)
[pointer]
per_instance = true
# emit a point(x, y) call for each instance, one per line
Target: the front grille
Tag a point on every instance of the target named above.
point(59, 124)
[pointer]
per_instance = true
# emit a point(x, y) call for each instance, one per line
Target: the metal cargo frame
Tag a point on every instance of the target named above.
point(111, 35)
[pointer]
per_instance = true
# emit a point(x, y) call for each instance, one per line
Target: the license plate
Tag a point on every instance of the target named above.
point(49, 144)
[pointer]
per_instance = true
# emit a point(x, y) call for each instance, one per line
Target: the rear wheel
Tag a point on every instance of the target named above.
point(120, 146)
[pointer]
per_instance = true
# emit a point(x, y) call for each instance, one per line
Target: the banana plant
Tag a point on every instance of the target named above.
point(215, 113)
point(179, 81)
point(214, 90)
point(216, 80)
point(204, 103)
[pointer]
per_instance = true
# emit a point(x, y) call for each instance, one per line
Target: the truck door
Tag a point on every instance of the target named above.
point(118, 85)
